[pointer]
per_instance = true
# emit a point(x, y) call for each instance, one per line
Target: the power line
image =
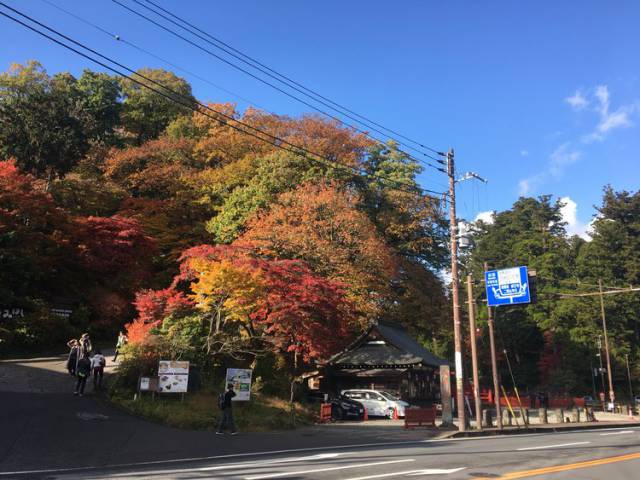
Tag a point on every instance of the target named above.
point(119, 38)
point(260, 79)
point(174, 97)
point(286, 77)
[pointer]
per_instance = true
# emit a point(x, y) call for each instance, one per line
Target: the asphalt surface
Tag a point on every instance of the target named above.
point(613, 454)
point(46, 432)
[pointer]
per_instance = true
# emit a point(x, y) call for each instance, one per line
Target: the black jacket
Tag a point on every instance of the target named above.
point(84, 367)
point(228, 395)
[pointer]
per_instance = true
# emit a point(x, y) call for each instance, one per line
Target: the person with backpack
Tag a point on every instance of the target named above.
point(225, 404)
point(83, 371)
point(72, 359)
point(98, 363)
point(121, 342)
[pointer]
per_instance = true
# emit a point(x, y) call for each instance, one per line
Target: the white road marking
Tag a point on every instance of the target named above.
point(616, 433)
point(330, 469)
point(552, 446)
point(228, 466)
point(429, 471)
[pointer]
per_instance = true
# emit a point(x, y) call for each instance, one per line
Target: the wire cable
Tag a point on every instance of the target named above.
point(288, 79)
point(256, 77)
point(174, 97)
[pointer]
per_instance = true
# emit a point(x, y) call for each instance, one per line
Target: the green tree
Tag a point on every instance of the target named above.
point(42, 124)
point(146, 114)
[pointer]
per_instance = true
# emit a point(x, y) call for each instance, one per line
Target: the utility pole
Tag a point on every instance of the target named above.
point(457, 336)
point(474, 352)
point(494, 363)
point(612, 395)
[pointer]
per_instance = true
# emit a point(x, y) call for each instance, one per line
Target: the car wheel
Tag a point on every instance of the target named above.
point(390, 413)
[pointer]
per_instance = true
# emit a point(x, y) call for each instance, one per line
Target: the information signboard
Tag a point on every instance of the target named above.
point(509, 286)
point(241, 380)
point(173, 376)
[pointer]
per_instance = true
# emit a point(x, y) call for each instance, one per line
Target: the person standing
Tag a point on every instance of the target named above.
point(121, 342)
point(72, 360)
point(225, 404)
point(98, 363)
point(85, 345)
point(82, 372)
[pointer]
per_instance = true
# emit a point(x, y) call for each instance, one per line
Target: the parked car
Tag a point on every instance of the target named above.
point(345, 408)
point(378, 403)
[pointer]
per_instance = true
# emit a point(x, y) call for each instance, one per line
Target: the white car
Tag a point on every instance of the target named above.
point(378, 403)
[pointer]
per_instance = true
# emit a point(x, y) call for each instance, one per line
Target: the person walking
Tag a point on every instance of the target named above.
point(72, 360)
point(83, 371)
point(225, 404)
point(98, 363)
point(121, 342)
point(85, 345)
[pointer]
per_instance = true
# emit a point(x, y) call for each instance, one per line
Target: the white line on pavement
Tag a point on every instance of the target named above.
point(330, 469)
point(552, 446)
point(616, 433)
point(429, 471)
point(228, 466)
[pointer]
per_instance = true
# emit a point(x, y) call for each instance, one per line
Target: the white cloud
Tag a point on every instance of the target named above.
point(524, 153)
point(561, 158)
point(577, 101)
point(574, 226)
point(609, 120)
point(486, 217)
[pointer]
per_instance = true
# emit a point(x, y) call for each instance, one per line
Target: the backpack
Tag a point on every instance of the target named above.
point(103, 362)
point(221, 401)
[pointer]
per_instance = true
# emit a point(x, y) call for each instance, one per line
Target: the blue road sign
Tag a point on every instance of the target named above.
point(507, 287)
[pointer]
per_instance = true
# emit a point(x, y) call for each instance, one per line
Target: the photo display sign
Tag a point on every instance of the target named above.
point(241, 380)
point(173, 376)
point(507, 287)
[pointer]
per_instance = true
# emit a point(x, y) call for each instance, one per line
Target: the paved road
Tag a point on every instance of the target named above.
point(594, 454)
point(46, 432)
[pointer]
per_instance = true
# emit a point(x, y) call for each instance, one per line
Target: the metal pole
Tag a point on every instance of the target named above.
point(629, 378)
point(612, 395)
point(494, 364)
point(604, 389)
point(457, 336)
point(474, 352)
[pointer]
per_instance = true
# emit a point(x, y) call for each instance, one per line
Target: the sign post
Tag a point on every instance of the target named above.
point(173, 376)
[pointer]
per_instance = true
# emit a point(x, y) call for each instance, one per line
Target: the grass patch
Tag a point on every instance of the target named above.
point(199, 411)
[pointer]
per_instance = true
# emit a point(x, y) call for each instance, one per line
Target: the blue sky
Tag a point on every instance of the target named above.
point(538, 97)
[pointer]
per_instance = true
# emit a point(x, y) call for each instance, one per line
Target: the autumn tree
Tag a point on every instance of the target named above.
point(322, 225)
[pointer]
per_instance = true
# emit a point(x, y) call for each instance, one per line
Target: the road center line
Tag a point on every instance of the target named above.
point(316, 470)
point(552, 446)
point(566, 468)
point(616, 433)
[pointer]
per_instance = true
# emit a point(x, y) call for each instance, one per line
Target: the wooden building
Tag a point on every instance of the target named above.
point(386, 357)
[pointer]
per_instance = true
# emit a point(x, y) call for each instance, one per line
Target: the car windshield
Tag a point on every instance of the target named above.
point(389, 396)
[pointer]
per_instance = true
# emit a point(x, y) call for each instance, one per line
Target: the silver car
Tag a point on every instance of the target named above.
point(378, 403)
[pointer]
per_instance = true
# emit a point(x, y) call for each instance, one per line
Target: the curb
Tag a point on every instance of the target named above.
point(528, 430)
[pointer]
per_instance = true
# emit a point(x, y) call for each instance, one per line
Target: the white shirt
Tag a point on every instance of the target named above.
point(97, 359)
